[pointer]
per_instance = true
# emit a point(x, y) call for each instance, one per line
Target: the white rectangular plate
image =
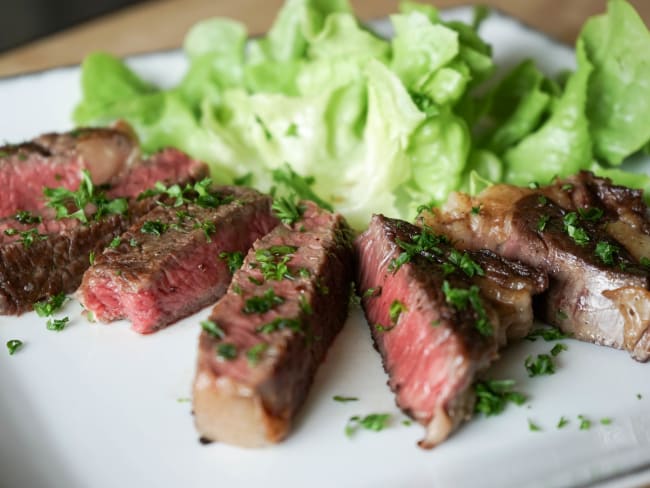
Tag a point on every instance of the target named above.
point(101, 406)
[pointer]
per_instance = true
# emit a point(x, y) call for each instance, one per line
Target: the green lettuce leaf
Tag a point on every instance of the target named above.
point(562, 145)
point(618, 46)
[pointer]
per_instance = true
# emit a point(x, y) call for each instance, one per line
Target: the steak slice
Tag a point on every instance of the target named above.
point(598, 289)
point(272, 329)
point(44, 258)
point(438, 316)
point(167, 265)
point(56, 160)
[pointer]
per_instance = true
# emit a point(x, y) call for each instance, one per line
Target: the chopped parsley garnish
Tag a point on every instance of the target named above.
point(262, 303)
point(300, 185)
point(226, 351)
point(541, 222)
point(567, 187)
point(459, 298)
point(234, 260)
point(533, 185)
point(344, 399)
point(578, 234)
point(606, 421)
point(383, 328)
point(492, 396)
point(547, 333)
point(375, 422)
point(407, 423)
point(26, 217)
point(644, 261)
point(396, 309)
point(606, 252)
point(115, 242)
point(593, 213)
point(91, 257)
point(542, 365)
point(370, 292)
point(304, 273)
point(133, 242)
point(255, 281)
point(13, 345)
point(48, 307)
point(198, 193)
point(585, 423)
point(62, 200)
point(305, 306)
point(280, 324)
point(562, 422)
point(213, 329)
point(154, 227)
point(542, 200)
point(424, 243)
point(465, 263)
point(476, 210)
point(254, 353)
point(558, 348)
point(287, 210)
point(208, 229)
point(533, 427)
point(57, 324)
point(273, 262)
point(27, 237)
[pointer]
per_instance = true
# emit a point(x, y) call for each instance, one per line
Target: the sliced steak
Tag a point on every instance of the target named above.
point(438, 316)
point(56, 160)
point(40, 259)
point(167, 265)
point(598, 289)
point(272, 329)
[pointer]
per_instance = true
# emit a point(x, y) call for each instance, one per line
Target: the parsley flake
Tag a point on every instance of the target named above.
point(263, 303)
point(542, 365)
point(13, 345)
point(459, 298)
point(27, 237)
point(48, 307)
point(541, 222)
point(154, 227)
point(562, 422)
point(585, 423)
point(213, 329)
point(558, 348)
point(226, 351)
point(280, 323)
point(344, 399)
point(375, 422)
point(533, 427)
point(115, 243)
point(57, 324)
point(492, 396)
point(546, 333)
point(287, 210)
point(254, 353)
point(578, 234)
point(26, 217)
point(234, 260)
point(606, 252)
point(396, 309)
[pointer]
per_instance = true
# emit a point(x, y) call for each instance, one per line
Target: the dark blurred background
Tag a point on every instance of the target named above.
point(22, 21)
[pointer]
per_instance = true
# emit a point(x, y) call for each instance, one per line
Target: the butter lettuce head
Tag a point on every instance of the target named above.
point(370, 125)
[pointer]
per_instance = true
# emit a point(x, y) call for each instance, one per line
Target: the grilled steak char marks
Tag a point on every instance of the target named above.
point(167, 265)
point(434, 348)
point(598, 292)
point(56, 160)
point(58, 255)
point(254, 374)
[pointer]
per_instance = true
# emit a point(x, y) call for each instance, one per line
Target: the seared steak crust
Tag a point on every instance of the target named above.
point(251, 397)
point(167, 264)
point(587, 234)
point(59, 251)
point(56, 160)
point(433, 349)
